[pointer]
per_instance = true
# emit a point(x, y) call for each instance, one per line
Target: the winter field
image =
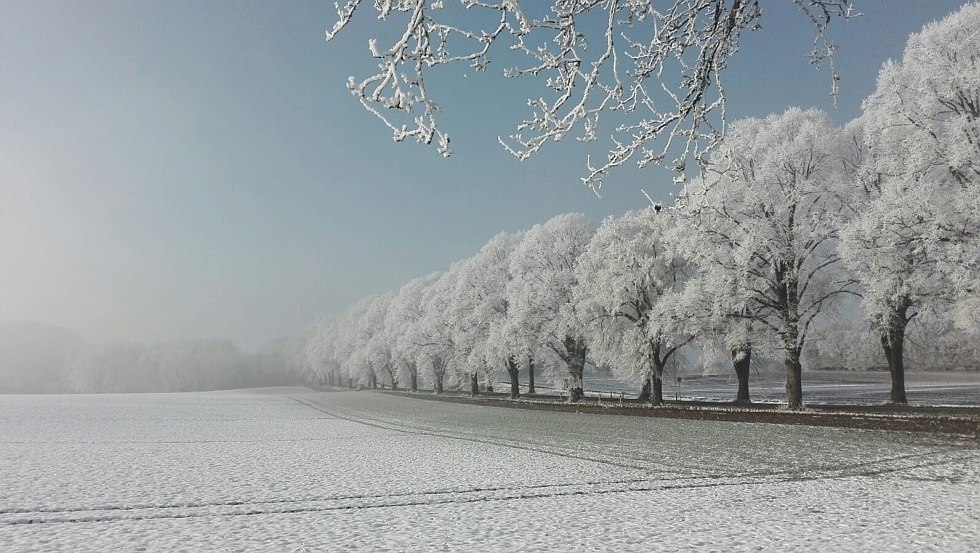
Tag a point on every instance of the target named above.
point(294, 469)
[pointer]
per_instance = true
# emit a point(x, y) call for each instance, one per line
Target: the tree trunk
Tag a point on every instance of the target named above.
point(787, 293)
point(893, 342)
point(576, 366)
point(530, 375)
point(658, 389)
point(897, 368)
point(413, 375)
point(742, 361)
point(657, 376)
point(438, 386)
point(350, 383)
point(515, 384)
point(374, 381)
point(794, 379)
point(489, 384)
point(645, 391)
point(474, 384)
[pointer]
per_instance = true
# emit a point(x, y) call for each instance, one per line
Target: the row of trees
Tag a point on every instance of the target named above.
point(788, 216)
point(180, 366)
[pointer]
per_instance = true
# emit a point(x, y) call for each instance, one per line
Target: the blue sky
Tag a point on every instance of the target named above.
point(176, 170)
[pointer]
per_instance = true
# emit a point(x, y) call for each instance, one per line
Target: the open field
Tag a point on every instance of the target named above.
point(294, 469)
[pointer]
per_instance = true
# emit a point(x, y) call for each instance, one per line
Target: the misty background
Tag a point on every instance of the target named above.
point(186, 186)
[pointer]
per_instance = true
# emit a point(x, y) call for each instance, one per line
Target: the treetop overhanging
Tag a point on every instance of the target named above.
point(653, 66)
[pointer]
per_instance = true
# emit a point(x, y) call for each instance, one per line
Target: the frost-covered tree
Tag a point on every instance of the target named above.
point(924, 115)
point(654, 67)
point(716, 298)
point(918, 241)
point(479, 312)
point(713, 304)
point(943, 345)
point(889, 246)
point(349, 347)
point(107, 368)
point(771, 195)
point(167, 366)
point(433, 333)
point(375, 345)
point(541, 315)
point(318, 363)
point(402, 326)
point(627, 283)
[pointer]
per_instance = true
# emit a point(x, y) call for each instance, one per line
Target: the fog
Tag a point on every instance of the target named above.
point(39, 358)
point(187, 187)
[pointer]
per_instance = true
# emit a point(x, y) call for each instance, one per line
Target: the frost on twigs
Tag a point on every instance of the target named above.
point(655, 64)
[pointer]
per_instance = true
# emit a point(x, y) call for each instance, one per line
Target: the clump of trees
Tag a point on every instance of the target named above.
point(789, 220)
point(183, 366)
point(37, 358)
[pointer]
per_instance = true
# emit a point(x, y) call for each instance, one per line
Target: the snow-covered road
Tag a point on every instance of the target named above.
point(292, 469)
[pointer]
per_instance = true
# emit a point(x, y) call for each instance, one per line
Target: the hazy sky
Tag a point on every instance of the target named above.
point(174, 170)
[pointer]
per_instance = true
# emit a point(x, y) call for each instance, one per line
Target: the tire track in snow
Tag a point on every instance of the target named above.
point(238, 503)
point(343, 503)
point(232, 508)
point(652, 467)
point(550, 449)
point(434, 498)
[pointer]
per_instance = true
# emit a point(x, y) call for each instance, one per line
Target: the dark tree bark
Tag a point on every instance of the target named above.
point(742, 362)
point(794, 378)
point(438, 373)
point(393, 376)
point(575, 357)
point(787, 294)
point(474, 384)
point(658, 389)
point(373, 378)
point(530, 375)
point(350, 383)
point(489, 385)
point(659, 363)
point(893, 342)
point(646, 391)
point(413, 376)
point(514, 370)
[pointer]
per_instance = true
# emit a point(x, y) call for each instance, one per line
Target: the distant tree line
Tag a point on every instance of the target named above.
point(44, 359)
point(791, 228)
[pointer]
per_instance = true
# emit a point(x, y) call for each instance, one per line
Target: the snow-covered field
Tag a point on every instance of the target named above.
point(292, 469)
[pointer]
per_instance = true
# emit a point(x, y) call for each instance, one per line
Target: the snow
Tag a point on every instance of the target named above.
point(293, 469)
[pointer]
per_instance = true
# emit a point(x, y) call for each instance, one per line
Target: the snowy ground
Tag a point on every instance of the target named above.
point(291, 469)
